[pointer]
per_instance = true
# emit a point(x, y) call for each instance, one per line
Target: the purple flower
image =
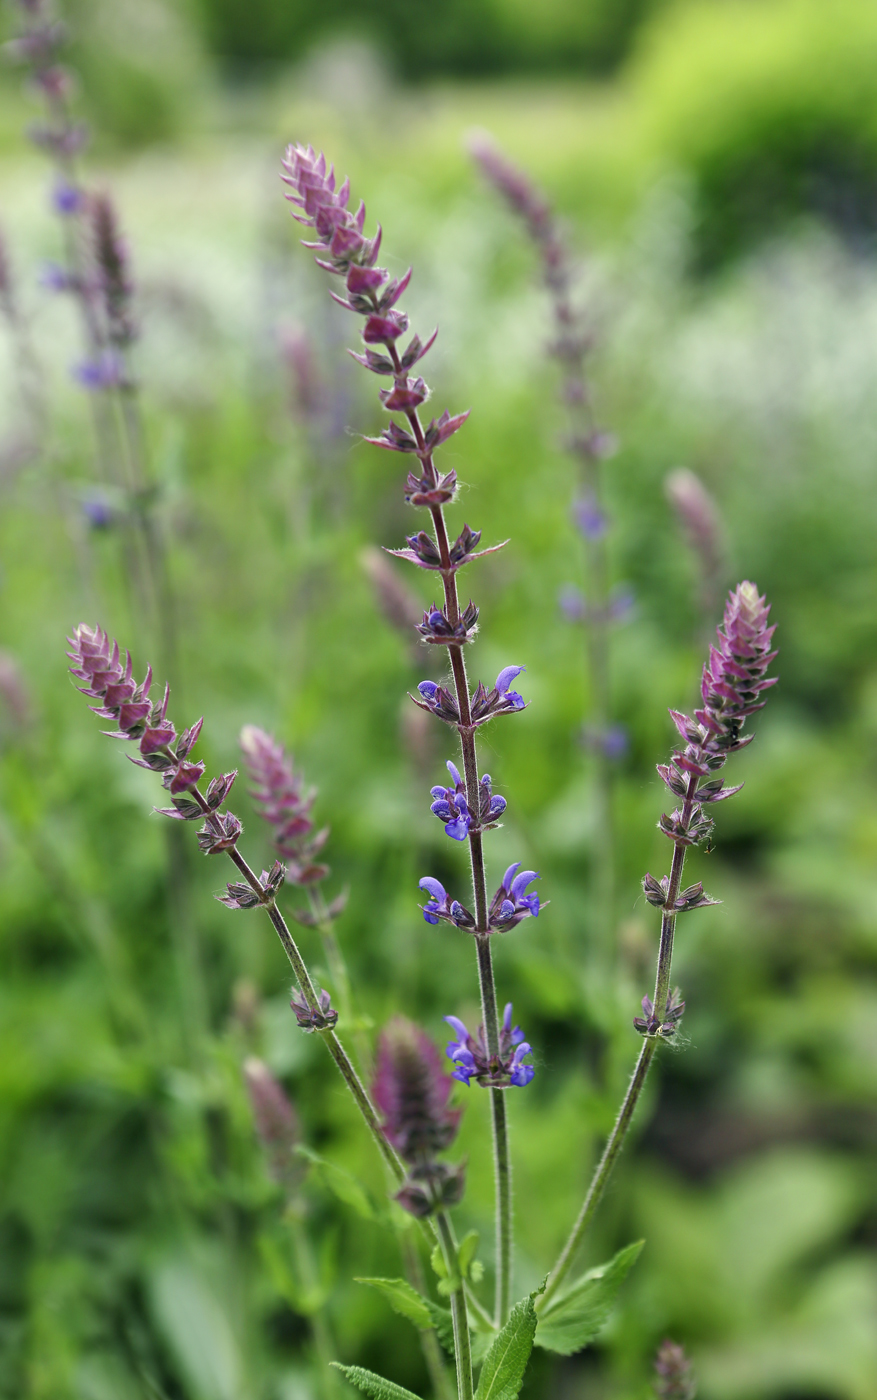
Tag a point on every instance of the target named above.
point(473, 1060)
point(285, 803)
point(590, 518)
point(674, 1377)
point(572, 603)
point(451, 807)
point(484, 703)
point(423, 551)
point(98, 512)
point(733, 681)
point(411, 1092)
point(311, 1020)
point(650, 1025)
point(54, 278)
point(103, 373)
point(613, 741)
point(437, 629)
point(441, 906)
point(275, 1121)
point(511, 903)
point(108, 679)
point(66, 198)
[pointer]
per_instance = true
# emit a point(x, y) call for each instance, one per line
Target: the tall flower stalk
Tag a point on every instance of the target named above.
point(369, 291)
point(277, 1128)
point(107, 677)
point(732, 684)
point(96, 273)
point(589, 445)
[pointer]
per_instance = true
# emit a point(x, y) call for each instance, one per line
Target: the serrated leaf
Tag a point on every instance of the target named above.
point(575, 1319)
point(423, 1312)
point(403, 1299)
point(373, 1385)
point(504, 1365)
point(341, 1184)
point(443, 1323)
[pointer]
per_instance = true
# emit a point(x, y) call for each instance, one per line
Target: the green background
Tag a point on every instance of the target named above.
point(715, 168)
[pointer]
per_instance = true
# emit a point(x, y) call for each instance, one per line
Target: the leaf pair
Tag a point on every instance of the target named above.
point(504, 1365)
point(572, 1321)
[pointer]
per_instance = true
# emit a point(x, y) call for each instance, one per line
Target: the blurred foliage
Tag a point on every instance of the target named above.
point(422, 38)
point(772, 107)
point(144, 1250)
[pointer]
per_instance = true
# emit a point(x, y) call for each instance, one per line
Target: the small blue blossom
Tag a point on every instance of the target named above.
point(102, 373)
point(504, 680)
point(511, 903)
point(54, 278)
point(441, 906)
point(66, 198)
point(451, 806)
point(470, 1055)
point(590, 518)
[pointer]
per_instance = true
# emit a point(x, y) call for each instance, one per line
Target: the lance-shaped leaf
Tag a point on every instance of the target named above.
point(373, 1385)
point(504, 1365)
point(573, 1320)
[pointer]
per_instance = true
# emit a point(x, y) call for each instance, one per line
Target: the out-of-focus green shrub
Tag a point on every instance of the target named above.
point(139, 65)
point(772, 105)
point(425, 37)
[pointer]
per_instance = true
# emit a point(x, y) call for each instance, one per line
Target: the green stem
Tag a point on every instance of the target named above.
point(602, 1174)
point(462, 1343)
point(625, 1116)
point(502, 1165)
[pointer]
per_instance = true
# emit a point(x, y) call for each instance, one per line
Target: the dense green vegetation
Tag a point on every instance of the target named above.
point(143, 1248)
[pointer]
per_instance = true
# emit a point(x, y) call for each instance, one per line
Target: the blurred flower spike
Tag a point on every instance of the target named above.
point(411, 1091)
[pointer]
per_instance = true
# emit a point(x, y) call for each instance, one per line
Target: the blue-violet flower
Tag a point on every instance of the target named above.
point(470, 1054)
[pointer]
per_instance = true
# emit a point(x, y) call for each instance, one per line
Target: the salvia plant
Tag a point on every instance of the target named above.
point(600, 608)
point(95, 272)
point(409, 1107)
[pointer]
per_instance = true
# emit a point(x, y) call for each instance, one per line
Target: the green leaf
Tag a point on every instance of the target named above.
point(406, 1301)
point(504, 1365)
point(466, 1251)
point(573, 1320)
point(373, 1385)
point(341, 1184)
point(403, 1299)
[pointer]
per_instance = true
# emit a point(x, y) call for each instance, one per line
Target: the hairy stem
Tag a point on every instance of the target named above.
point(462, 1343)
point(602, 1174)
point(502, 1157)
point(615, 1143)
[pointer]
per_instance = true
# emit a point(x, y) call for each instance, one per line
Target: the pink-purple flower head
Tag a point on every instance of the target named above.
point(411, 1091)
point(452, 808)
point(473, 1060)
